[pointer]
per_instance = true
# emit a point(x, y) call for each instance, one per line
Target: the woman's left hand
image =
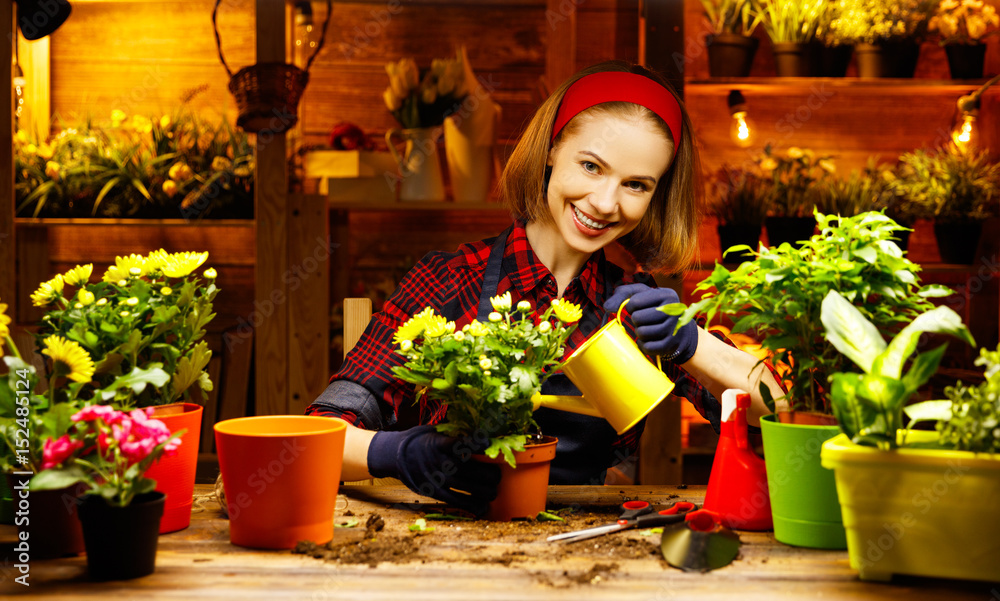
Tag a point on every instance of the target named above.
point(654, 329)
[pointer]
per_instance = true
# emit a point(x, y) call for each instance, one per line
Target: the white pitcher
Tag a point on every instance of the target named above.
point(419, 167)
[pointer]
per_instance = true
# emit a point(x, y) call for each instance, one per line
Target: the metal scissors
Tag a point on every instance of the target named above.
point(635, 514)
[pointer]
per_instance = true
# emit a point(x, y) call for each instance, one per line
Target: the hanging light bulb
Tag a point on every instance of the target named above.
point(741, 128)
point(965, 134)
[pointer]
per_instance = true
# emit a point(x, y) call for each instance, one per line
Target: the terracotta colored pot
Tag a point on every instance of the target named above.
point(523, 489)
point(52, 525)
point(280, 474)
point(175, 475)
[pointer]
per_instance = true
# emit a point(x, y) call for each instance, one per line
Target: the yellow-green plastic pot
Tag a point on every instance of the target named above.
point(921, 512)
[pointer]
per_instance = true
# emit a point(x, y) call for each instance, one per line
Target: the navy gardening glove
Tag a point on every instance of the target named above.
point(435, 465)
point(654, 329)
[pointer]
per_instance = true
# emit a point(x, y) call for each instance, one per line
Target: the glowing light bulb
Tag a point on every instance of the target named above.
point(741, 130)
point(965, 135)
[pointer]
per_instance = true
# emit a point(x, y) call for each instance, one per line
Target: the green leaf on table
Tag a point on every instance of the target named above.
point(351, 523)
point(420, 525)
point(545, 516)
point(447, 516)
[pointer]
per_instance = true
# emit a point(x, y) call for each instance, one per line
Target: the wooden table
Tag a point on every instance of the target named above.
point(475, 560)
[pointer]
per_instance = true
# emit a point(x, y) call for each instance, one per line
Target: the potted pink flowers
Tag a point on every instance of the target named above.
point(109, 451)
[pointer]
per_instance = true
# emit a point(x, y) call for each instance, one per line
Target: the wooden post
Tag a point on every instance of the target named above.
point(270, 315)
point(8, 259)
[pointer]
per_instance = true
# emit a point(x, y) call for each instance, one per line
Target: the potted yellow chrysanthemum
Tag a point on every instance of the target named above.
point(134, 339)
point(486, 374)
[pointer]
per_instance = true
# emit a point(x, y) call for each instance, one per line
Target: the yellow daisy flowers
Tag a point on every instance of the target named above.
point(48, 292)
point(70, 358)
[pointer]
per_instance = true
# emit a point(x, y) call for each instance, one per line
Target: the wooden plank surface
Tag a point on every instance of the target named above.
point(8, 257)
point(476, 560)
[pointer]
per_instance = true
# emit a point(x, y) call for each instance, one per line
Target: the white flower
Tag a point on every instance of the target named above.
point(501, 303)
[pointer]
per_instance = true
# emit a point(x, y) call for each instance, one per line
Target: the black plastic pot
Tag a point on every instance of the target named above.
point(121, 541)
point(793, 59)
point(792, 230)
point(730, 54)
point(872, 61)
point(834, 60)
point(958, 242)
point(734, 235)
point(965, 61)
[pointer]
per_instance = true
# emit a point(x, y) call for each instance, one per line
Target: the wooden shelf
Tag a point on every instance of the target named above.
point(447, 205)
point(883, 86)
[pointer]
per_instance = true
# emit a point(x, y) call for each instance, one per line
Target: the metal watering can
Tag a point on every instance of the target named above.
point(617, 381)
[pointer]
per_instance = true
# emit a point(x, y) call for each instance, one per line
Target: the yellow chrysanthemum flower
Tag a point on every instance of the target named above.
point(178, 265)
point(79, 275)
point(211, 273)
point(409, 331)
point(155, 260)
point(478, 328)
point(85, 297)
point(566, 311)
point(4, 322)
point(501, 303)
point(437, 326)
point(123, 266)
point(72, 356)
point(48, 292)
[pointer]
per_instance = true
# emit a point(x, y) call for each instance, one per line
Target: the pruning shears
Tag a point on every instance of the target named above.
point(635, 514)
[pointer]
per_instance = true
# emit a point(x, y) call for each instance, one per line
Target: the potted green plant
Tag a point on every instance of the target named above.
point(791, 25)
point(861, 191)
point(835, 50)
point(777, 297)
point(177, 165)
point(739, 201)
point(110, 451)
point(886, 33)
point(956, 188)
point(145, 318)
point(914, 502)
point(794, 175)
point(731, 45)
point(486, 374)
point(963, 26)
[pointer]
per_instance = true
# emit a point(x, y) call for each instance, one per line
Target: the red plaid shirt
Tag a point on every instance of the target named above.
point(451, 284)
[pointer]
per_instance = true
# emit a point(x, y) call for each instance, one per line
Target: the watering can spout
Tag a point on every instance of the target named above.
point(618, 383)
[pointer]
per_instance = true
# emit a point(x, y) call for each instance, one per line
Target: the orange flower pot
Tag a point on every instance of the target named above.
point(523, 489)
point(175, 475)
point(281, 474)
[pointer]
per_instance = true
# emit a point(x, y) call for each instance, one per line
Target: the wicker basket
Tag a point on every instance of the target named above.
point(267, 94)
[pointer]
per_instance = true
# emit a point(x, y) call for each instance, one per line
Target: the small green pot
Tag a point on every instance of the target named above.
point(804, 502)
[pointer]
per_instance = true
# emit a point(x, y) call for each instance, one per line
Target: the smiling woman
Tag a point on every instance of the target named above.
point(607, 159)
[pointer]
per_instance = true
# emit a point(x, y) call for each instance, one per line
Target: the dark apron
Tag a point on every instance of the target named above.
point(584, 451)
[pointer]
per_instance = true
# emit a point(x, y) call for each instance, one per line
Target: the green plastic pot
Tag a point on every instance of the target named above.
point(804, 504)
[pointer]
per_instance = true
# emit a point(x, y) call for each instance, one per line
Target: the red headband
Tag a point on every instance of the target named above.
point(612, 86)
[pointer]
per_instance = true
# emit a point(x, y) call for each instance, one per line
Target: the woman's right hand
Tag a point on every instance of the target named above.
point(435, 465)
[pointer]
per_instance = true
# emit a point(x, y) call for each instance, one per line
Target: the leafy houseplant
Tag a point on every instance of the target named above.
point(884, 472)
point(956, 188)
point(739, 201)
point(886, 33)
point(778, 297)
point(142, 323)
point(486, 373)
point(795, 176)
point(791, 25)
point(731, 45)
point(963, 26)
point(174, 166)
point(869, 406)
point(861, 191)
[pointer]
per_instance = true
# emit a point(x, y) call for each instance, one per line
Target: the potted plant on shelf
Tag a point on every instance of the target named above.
point(926, 494)
point(791, 25)
point(487, 374)
point(110, 451)
point(835, 50)
point(731, 45)
point(178, 166)
point(777, 298)
point(886, 34)
point(740, 199)
point(144, 321)
point(956, 188)
point(862, 191)
point(794, 177)
point(963, 26)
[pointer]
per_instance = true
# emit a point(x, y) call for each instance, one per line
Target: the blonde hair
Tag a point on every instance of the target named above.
point(666, 237)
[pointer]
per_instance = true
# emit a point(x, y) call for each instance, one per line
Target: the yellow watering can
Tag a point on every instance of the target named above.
point(617, 381)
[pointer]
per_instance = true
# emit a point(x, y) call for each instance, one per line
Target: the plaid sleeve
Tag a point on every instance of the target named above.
point(369, 364)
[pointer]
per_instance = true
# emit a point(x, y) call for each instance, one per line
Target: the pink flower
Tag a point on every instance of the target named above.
point(95, 412)
point(56, 451)
point(137, 450)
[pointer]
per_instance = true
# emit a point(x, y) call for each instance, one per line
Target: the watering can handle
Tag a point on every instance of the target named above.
point(621, 308)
